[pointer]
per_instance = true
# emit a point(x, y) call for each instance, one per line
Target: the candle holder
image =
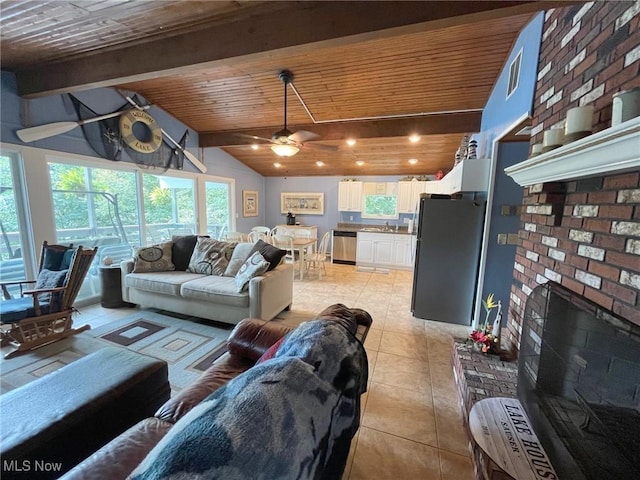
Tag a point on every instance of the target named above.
point(579, 123)
point(552, 138)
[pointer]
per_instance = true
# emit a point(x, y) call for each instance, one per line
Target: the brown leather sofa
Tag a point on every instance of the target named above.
point(249, 340)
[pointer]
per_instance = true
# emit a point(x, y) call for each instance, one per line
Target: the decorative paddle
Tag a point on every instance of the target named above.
point(39, 132)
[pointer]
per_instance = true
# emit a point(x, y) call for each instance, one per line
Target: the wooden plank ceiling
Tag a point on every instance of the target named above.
point(376, 88)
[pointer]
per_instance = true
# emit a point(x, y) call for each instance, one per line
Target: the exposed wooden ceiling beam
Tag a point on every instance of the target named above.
point(397, 127)
point(299, 26)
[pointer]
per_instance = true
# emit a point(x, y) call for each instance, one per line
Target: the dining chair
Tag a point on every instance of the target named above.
point(254, 236)
point(280, 231)
point(319, 258)
point(285, 242)
point(261, 229)
point(235, 237)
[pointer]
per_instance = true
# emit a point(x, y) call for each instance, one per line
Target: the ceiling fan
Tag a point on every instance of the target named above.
point(286, 143)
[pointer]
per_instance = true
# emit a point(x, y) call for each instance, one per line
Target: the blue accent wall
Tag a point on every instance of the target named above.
point(501, 112)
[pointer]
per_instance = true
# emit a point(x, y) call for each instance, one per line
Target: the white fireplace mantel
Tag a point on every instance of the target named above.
point(616, 149)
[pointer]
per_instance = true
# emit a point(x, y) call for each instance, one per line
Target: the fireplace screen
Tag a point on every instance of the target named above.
point(579, 380)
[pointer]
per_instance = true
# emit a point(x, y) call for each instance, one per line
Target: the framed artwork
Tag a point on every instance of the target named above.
point(249, 203)
point(302, 203)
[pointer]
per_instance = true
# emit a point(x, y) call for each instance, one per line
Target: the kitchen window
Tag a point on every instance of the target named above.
point(380, 201)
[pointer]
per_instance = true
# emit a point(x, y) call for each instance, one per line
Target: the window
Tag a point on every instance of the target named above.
point(218, 209)
point(380, 200)
point(14, 227)
point(514, 74)
point(169, 207)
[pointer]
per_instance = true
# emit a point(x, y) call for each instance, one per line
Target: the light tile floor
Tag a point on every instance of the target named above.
point(411, 424)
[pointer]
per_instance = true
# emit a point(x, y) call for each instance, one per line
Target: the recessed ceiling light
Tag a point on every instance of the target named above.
point(359, 163)
point(413, 161)
point(414, 138)
point(254, 146)
point(351, 142)
point(277, 165)
point(319, 163)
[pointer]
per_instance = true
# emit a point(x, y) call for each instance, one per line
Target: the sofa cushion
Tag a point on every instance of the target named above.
point(215, 289)
point(182, 249)
point(155, 258)
point(160, 282)
point(254, 266)
point(271, 254)
point(211, 256)
point(240, 254)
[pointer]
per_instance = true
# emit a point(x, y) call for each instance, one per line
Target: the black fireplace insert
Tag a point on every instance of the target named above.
point(579, 381)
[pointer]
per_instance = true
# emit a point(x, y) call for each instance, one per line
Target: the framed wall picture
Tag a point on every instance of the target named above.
point(302, 203)
point(249, 203)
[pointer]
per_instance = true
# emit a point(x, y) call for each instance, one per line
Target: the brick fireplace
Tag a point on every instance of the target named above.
point(583, 234)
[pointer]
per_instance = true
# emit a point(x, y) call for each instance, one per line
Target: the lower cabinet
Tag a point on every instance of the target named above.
point(384, 250)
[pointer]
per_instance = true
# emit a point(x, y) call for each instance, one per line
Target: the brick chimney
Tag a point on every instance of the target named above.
point(584, 234)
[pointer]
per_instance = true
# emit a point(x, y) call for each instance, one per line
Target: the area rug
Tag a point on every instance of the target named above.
point(188, 347)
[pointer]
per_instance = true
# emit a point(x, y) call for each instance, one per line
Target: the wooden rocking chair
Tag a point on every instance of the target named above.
point(42, 315)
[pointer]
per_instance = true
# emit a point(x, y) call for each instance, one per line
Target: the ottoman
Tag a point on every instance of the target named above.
point(51, 424)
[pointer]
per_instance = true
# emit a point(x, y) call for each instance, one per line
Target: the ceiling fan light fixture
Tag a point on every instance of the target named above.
point(284, 150)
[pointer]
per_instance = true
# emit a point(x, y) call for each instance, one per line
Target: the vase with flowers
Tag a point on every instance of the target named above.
point(486, 337)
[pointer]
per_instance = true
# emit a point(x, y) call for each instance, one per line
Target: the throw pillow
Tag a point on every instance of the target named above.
point(254, 266)
point(67, 258)
point(271, 254)
point(271, 351)
point(182, 249)
point(53, 257)
point(211, 256)
point(156, 258)
point(240, 254)
point(50, 279)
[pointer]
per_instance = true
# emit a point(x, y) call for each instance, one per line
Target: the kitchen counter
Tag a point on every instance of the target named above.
point(360, 227)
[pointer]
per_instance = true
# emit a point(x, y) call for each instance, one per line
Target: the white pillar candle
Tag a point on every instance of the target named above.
point(579, 119)
point(536, 149)
point(553, 137)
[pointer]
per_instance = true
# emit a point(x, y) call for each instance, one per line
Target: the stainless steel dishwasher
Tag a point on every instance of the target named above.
point(344, 247)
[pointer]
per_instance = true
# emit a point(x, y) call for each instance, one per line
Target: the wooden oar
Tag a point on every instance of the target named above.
point(32, 134)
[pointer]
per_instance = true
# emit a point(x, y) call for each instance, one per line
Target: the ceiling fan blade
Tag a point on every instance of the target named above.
point(253, 137)
point(320, 146)
point(302, 136)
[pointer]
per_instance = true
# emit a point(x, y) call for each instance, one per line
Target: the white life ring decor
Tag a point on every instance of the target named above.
point(128, 119)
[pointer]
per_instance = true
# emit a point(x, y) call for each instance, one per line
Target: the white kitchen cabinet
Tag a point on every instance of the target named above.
point(409, 194)
point(384, 250)
point(468, 176)
point(350, 196)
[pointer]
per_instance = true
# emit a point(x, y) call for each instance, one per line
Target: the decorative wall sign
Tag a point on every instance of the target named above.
point(129, 119)
point(302, 203)
point(249, 203)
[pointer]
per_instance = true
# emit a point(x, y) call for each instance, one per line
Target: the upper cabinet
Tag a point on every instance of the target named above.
point(350, 196)
point(409, 194)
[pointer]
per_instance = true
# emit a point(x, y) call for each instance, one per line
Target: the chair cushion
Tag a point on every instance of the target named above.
point(67, 258)
point(271, 254)
point(160, 282)
point(215, 289)
point(50, 279)
point(14, 310)
point(211, 256)
point(155, 258)
point(254, 266)
point(53, 256)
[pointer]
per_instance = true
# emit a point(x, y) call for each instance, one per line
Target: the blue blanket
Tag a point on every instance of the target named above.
point(291, 417)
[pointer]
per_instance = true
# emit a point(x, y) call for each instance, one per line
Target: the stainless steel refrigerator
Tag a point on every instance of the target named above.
point(447, 258)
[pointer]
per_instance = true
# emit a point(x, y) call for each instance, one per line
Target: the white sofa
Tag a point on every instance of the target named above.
point(210, 296)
